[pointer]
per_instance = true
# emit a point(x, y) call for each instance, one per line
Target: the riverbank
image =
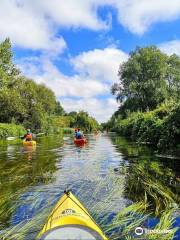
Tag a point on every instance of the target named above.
point(14, 130)
point(159, 128)
point(11, 130)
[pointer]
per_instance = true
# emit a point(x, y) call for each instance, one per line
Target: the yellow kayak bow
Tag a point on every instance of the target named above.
point(29, 143)
point(70, 220)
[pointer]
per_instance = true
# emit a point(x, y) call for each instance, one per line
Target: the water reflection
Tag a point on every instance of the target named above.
point(108, 175)
point(149, 177)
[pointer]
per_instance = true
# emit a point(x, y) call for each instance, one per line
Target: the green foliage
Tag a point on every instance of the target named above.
point(149, 91)
point(173, 76)
point(11, 106)
point(160, 127)
point(33, 105)
point(142, 79)
point(11, 130)
point(68, 130)
point(171, 130)
point(84, 121)
point(59, 124)
point(8, 72)
point(59, 111)
point(23, 101)
point(146, 80)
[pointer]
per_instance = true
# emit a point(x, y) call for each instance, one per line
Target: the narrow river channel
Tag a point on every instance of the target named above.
point(107, 175)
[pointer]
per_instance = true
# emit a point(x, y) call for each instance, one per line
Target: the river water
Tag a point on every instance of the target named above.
point(108, 174)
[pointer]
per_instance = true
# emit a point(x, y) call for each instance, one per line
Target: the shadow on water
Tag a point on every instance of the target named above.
point(123, 185)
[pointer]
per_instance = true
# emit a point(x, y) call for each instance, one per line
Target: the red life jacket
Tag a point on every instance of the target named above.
point(28, 136)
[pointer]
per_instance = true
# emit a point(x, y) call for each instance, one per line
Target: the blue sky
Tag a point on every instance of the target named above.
point(75, 47)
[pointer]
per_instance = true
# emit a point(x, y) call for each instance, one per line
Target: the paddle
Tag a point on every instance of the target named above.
point(66, 138)
point(11, 138)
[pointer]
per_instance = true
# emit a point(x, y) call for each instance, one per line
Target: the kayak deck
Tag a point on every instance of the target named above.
point(70, 220)
point(29, 143)
point(80, 141)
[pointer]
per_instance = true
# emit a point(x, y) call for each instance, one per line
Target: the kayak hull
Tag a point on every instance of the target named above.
point(80, 141)
point(70, 220)
point(29, 143)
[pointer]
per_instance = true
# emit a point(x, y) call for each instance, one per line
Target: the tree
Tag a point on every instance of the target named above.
point(59, 111)
point(173, 76)
point(142, 79)
point(11, 106)
point(84, 121)
point(22, 100)
point(8, 72)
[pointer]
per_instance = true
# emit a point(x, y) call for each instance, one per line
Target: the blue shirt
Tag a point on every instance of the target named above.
point(78, 134)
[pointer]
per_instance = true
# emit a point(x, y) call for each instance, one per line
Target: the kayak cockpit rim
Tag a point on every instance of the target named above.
point(70, 220)
point(71, 232)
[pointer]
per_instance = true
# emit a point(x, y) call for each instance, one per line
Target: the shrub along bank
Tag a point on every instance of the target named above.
point(11, 129)
point(160, 127)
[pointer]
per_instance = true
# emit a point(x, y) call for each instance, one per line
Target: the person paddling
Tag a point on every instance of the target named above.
point(28, 136)
point(78, 134)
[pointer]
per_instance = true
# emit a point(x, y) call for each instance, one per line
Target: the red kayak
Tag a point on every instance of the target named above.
point(80, 141)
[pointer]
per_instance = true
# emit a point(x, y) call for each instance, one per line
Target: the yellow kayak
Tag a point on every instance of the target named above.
point(29, 143)
point(70, 220)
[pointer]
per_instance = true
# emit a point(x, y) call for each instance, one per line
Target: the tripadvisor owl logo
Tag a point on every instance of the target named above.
point(139, 231)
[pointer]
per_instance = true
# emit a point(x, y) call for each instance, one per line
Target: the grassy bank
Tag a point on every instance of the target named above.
point(160, 127)
point(11, 130)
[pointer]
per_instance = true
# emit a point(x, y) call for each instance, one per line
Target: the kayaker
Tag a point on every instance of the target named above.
point(79, 135)
point(28, 136)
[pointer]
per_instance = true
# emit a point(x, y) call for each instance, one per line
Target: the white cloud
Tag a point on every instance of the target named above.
point(102, 64)
point(34, 24)
point(96, 71)
point(74, 86)
point(44, 71)
point(101, 109)
point(74, 13)
point(139, 15)
point(27, 27)
point(171, 47)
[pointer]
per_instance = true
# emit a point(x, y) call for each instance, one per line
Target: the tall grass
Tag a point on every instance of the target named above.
point(11, 130)
point(119, 226)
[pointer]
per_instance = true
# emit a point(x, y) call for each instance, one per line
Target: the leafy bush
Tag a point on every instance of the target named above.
point(170, 138)
point(160, 127)
point(68, 130)
point(84, 121)
point(11, 130)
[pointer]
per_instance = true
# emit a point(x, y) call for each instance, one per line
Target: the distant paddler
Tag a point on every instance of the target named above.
point(79, 137)
point(78, 134)
point(28, 138)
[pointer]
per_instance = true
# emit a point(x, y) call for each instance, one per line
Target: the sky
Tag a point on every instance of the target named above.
point(75, 47)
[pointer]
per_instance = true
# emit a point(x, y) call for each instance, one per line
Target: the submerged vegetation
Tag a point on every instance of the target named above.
point(149, 93)
point(146, 183)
